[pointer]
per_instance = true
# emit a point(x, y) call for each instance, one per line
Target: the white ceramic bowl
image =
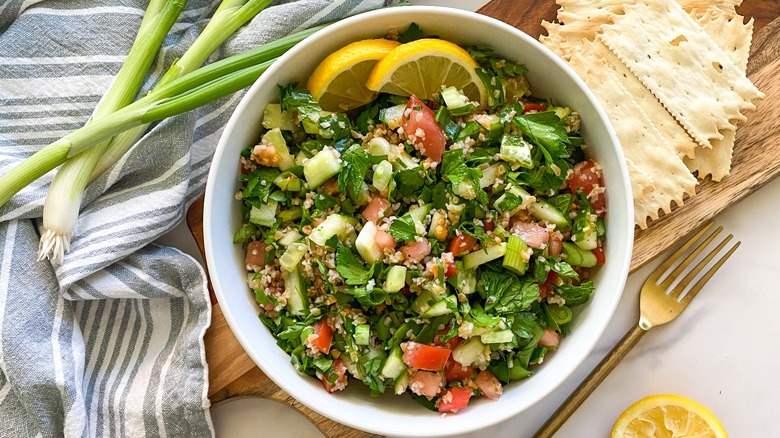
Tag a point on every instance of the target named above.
point(390, 415)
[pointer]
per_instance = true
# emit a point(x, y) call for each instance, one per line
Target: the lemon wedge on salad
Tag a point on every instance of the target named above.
point(667, 415)
point(423, 66)
point(338, 82)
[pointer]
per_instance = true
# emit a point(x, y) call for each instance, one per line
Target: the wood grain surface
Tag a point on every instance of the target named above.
point(232, 373)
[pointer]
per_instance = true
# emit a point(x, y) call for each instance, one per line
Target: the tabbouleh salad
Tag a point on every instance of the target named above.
point(430, 248)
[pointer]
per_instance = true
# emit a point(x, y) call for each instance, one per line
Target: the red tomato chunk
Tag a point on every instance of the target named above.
point(425, 357)
point(422, 130)
point(453, 400)
point(426, 383)
point(489, 385)
point(340, 373)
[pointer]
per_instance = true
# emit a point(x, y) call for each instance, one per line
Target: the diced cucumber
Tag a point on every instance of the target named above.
point(587, 240)
point(274, 117)
point(457, 103)
point(442, 307)
point(379, 147)
point(476, 258)
point(464, 280)
point(490, 174)
point(394, 365)
point(465, 190)
point(401, 384)
point(288, 182)
point(366, 243)
point(514, 149)
point(493, 124)
point(418, 214)
point(576, 256)
point(515, 259)
point(322, 125)
point(513, 200)
point(469, 352)
point(334, 225)
point(404, 161)
point(396, 278)
point(561, 112)
point(362, 334)
point(438, 218)
point(292, 256)
point(393, 116)
point(274, 138)
point(264, 215)
point(543, 211)
point(301, 158)
point(290, 215)
point(290, 237)
point(498, 337)
point(321, 167)
point(383, 173)
point(297, 298)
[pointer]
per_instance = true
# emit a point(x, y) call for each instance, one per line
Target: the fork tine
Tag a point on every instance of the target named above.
point(695, 271)
point(669, 262)
point(699, 284)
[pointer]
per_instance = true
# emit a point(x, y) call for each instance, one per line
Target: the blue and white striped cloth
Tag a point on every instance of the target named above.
point(111, 342)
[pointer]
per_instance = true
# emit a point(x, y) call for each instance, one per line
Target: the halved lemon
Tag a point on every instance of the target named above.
point(421, 67)
point(668, 415)
point(338, 82)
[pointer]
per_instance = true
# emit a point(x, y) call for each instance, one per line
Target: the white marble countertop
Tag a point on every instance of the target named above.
point(720, 352)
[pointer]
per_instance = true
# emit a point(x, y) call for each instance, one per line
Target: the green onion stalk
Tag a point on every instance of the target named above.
point(204, 85)
point(63, 200)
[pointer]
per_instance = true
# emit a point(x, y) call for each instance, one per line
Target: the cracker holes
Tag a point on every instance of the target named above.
point(718, 67)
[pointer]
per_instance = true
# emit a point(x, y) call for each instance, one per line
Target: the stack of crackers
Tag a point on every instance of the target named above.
point(671, 76)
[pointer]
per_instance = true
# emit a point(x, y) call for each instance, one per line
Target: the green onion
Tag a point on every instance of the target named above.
point(63, 199)
point(205, 84)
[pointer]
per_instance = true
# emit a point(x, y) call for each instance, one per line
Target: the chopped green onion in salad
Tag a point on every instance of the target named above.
point(430, 248)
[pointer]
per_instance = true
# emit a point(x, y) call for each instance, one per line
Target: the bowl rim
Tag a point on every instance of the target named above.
point(342, 26)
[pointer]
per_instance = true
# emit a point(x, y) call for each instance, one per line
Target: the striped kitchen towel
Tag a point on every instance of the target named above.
point(110, 343)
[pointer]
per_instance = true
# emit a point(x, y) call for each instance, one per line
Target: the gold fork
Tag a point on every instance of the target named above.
point(656, 307)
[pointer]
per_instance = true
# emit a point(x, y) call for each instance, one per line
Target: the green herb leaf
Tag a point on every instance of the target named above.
point(576, 295)
point(259, 184)
point(403, 230)
point(409, 181)
point(546, 130)
point(353, 171)
point(413, 32)
point(453, 167)
point(506, 293)
point(351, 268)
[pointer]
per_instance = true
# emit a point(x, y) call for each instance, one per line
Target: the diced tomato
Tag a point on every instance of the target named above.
point(416, 251)
point(453, 400)
point(550, 338)
point(384, 240)
point(421, 128)
point(461, 244)
point(340, 370)
point(489, 225)
point(450, 269)
point(324, 336)
point(489, 385)
point(246, 166)
point(331, 187)
point(426, 383)
point(600, 258)
point(255, 254)
point(425, 357)
point(586, 176)
point(450, 343)
point(376, 209)
point(454, 371)
point(533, 106)
point(535, 236)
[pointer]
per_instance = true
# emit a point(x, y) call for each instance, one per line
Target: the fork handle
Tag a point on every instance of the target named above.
point(590, 383)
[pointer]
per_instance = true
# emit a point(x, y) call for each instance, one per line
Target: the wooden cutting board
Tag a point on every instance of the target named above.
point(756, 162)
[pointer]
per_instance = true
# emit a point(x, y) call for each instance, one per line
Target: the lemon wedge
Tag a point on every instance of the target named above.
point(338, 82)
point(421, 67)
point(667, 415)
